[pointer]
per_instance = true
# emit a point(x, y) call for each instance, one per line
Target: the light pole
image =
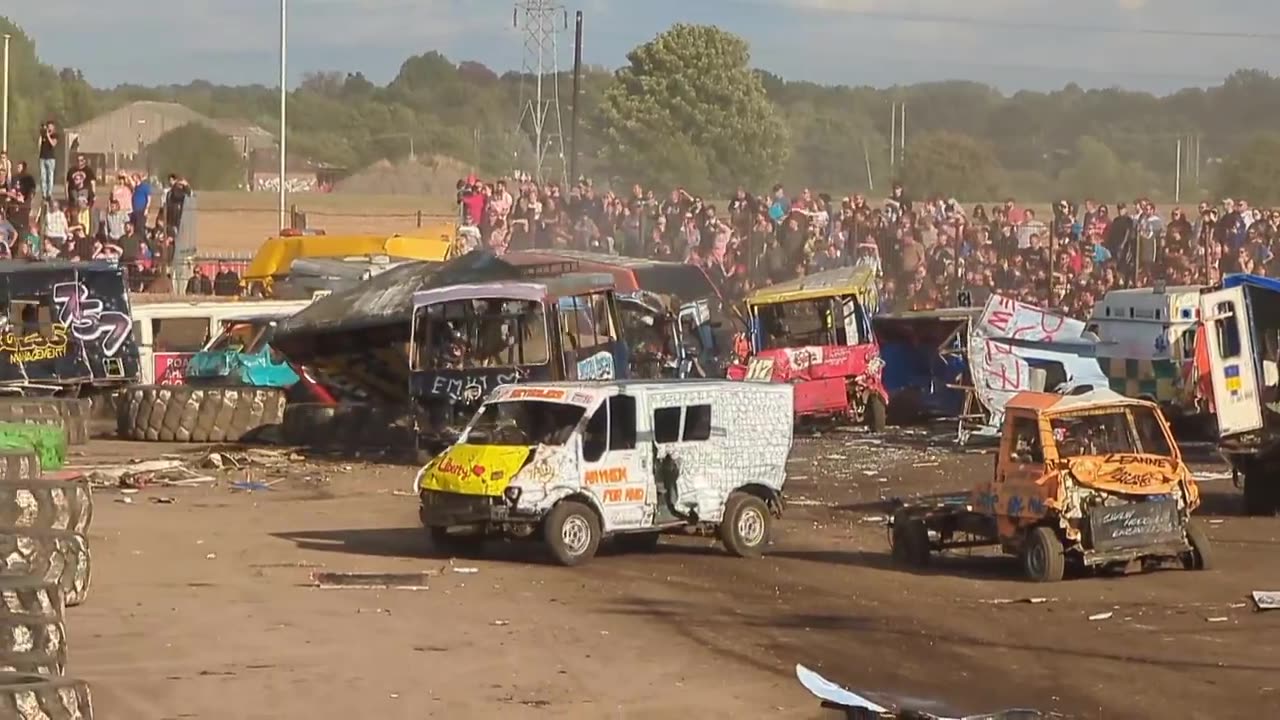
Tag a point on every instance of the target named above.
point(4, 123)
point(284, 92)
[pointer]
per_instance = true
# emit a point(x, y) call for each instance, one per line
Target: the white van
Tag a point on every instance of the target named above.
point(169, 333)
point(1147, 344)
point(580, 462)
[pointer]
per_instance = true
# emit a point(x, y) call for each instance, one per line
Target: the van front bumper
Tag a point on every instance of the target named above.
point(446, 509)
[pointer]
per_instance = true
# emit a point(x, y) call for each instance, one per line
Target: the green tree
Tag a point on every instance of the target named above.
point(1253, 171)
point(203, 156)
point(1097, 172)
point(688, 100)
point(951, 164)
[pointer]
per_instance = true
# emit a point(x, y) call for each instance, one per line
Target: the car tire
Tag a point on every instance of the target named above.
point(32, 634)
point(56, 556)
point(877, 413)
point(46, 504)
point(572, 532)
point(1200, 556)
point(32, 695)
point(184, 413)
point(911, 546)
point(1043, 557)
point(746, 525)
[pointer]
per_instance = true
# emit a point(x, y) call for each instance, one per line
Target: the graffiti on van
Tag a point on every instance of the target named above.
point(84, 315)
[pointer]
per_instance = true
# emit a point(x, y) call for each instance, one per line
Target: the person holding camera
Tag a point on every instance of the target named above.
point(49, 139)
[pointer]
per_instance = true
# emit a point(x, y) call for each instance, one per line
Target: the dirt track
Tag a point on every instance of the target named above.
point(169, 632)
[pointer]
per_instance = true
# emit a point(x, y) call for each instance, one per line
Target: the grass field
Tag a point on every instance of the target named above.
point(238, 222)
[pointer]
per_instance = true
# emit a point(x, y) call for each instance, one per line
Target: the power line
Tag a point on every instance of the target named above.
point(1002, 24)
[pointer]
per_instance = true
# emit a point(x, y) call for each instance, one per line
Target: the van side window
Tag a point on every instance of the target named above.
point(697, 423)
point(666, 425)
point(1227, 329)
point(595, 438)
point(1025, 447)
point(622, 428)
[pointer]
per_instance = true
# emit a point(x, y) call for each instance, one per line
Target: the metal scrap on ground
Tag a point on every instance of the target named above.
point(834, 695)
point(1266, 599)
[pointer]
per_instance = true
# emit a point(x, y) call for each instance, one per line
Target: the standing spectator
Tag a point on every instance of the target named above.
point(122, 192)
point(49, 140)
point(141, 200)
point(56, 228)
point(8, 233)
point(175, 199)
point(115, 223)
point(82, 180)
point(6, 170)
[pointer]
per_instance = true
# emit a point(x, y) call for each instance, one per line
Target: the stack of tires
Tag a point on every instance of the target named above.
point(44, 568)
point(71, 415)
point(197, 414)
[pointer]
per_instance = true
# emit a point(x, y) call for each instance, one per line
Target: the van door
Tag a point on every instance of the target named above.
point(614, 470)
point(1232, 365)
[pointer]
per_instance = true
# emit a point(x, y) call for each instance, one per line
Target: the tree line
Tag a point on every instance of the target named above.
point(688, 109)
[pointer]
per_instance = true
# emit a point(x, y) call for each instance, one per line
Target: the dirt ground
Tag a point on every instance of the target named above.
point(204, 608)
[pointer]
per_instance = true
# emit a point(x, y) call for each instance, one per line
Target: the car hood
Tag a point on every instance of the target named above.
point(474, 469)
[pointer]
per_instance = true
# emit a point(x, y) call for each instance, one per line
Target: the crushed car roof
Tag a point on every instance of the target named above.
point(1050, 402)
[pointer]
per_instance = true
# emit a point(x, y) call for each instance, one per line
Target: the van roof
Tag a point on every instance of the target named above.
point(1129, 293)
point(571, 284)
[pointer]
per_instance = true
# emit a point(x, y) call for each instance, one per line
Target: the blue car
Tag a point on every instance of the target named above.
point(242, 355)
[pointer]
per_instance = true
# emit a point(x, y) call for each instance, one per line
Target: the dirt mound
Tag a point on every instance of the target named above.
point(427, 175)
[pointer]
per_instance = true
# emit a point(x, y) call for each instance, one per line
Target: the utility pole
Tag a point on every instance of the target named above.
point(893, 133)
point(4, 123)
point(1177, 175)
point(284, 94)
point(577, 96)
point(540, 104)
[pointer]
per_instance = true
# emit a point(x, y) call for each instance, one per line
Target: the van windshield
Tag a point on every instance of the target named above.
point(465, 334)
point(1104, 433)
point(525, 423)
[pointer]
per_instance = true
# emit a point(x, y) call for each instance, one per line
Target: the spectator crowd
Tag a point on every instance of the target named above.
point(78, 216)
point(931, 252)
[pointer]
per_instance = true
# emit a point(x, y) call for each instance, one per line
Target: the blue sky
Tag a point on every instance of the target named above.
point(1012, 44)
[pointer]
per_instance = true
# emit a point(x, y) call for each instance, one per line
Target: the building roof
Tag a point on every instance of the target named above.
point(130, 128)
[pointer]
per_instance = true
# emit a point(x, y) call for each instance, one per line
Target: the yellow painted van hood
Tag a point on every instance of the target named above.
point(474, 469)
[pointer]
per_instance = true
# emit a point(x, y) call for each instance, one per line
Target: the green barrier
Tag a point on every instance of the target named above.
point(48, 441)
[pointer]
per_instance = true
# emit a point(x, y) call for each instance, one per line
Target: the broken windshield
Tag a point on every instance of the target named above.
point(1108, 432)
point(465, 334)
point(825, 321)
point(525, 423)
point(242, 337)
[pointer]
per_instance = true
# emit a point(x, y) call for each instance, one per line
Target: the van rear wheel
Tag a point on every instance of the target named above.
point(877, 413)
point(744, 530)
point(572, 531)
point(1200, 557)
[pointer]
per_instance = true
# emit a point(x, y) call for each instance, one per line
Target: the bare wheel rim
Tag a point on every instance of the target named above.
point(575, 533)
point(750, 526)
point(1037, 559)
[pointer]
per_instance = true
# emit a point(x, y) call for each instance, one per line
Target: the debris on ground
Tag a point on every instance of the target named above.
point(1013, 601)
point(137, 475)
point(1266, 599)
point(1101, 616)
point(372, 580)
point(834, 695)
point(253, 486)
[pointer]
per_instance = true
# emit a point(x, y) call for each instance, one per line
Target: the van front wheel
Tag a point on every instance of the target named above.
point(572, 531)
point(744, 530)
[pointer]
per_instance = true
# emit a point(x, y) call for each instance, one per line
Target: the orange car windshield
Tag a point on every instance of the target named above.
point(1106, 433)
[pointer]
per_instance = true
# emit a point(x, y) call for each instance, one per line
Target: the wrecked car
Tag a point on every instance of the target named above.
point(668, 339)
point(468, 339)
point(65, 328)
point(1242, 342)
point(1091, 481)
point(815, 333)
point(575, 463)
point(242, 354)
